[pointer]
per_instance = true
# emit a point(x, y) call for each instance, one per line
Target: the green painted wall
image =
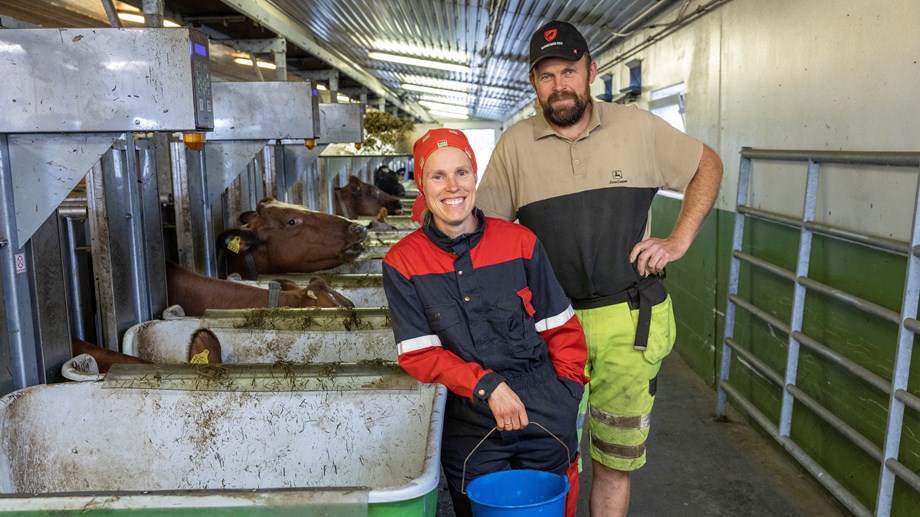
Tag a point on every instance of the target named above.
point(698, 284)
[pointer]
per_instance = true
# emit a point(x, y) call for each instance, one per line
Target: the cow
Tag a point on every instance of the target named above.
point(379, 223)
point(196, 293)
point(282, 238)
point(202, 339)
point(363, 199)
point(387, 180)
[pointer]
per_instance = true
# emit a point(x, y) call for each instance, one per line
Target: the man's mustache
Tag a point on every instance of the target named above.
point(563, 95)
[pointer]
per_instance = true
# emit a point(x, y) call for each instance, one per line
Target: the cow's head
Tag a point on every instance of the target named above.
point(284, 238)
point(365, 199)
point(387, 180)
point(326, 296)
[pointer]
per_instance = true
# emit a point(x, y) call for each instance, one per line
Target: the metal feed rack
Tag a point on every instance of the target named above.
point(907, 321)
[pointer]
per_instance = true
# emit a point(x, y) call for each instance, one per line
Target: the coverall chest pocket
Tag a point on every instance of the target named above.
point(512, 322)
point(442, 317)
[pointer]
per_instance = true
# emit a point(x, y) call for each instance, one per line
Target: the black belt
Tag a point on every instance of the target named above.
point(642, 296)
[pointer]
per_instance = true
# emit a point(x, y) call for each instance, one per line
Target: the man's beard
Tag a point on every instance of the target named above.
point(567, 116)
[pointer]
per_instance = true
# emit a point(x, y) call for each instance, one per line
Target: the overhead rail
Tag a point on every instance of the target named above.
point(908, 325)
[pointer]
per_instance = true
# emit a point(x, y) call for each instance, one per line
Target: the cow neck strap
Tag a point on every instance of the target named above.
point(251, 264)
point(274, 293)
point(341, 201)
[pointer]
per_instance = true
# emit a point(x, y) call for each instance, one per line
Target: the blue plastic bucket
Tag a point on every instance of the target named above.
point(514, 493)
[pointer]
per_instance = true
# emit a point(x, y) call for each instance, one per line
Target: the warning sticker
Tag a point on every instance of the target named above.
point(20, 263)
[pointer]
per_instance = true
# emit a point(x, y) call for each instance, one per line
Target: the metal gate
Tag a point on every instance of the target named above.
point(908, 325)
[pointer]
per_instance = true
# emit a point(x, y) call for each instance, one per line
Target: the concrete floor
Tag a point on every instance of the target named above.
point(700, 467)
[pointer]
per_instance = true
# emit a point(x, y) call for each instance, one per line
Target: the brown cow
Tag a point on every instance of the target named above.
point(195, 293)
point(379, 223)
point(359, 198)
point(104, 357)
point(202, 339)
point(283, 238)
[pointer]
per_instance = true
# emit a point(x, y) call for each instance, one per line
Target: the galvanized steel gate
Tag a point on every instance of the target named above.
point(907, 321)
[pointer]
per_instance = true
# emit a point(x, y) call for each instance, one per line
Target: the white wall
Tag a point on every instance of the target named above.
point(788, 74)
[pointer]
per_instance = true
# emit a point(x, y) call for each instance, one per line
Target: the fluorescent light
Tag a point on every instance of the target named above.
point(321, 87)
point(435, 91)
point(434, 82)
point(343, 98)
point(448, 115)
point(260, 64)
point(447, 108)
point(395, 47)
point(444, 100)
point(438, 65)
point(139, 18)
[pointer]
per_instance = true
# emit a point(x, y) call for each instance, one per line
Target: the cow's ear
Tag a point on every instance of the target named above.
point(247, 216)
point(238, 240)
point(354, 179)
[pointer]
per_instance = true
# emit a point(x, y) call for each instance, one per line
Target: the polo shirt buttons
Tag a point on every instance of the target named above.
point(459, 273)
point(482, 393)
point(466, 298)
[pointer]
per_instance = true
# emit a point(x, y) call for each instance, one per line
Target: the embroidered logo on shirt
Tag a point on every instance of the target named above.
point(617, 176)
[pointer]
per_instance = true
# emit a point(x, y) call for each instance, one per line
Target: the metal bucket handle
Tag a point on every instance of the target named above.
point(463, 477)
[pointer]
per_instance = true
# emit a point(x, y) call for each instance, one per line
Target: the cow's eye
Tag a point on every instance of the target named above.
point(292, 222)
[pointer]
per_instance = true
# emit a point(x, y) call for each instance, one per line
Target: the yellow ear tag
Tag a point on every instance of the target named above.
point(200, 358)
point(234, 244)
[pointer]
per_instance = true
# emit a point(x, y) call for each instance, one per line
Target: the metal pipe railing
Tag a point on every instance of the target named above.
point(907, 322)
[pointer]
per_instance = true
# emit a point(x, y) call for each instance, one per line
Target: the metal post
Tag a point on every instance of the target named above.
point(73, 280)
point(798, 297)
point(153, 13)
point(744, 179)
point(141, 298)
point(17, 293)
point(901, 367)
point(200, 214)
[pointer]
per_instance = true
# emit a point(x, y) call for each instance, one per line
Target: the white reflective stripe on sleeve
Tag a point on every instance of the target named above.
point(556, 321)
point(419, 343)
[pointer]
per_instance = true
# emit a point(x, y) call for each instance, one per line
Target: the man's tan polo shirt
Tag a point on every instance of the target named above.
point(588, 201)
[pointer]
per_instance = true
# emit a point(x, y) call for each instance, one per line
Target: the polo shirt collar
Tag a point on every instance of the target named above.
point(541, 127)
point(461, 243)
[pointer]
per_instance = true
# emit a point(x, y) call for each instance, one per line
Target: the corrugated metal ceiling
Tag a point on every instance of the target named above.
point(490, 36)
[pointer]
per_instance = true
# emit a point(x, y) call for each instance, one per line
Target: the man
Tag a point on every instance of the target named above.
point(582, 175)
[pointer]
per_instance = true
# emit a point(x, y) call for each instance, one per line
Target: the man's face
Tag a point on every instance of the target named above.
point(563, 88)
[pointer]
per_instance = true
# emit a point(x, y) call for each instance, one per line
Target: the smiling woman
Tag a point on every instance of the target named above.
point(475, 306)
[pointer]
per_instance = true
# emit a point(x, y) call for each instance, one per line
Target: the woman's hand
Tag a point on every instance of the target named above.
point(507, 408)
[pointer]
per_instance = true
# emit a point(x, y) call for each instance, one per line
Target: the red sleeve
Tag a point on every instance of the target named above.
point(436, 364)
point(568, 349)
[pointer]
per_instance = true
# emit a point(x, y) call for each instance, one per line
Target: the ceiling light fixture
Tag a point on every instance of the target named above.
point(435, 91)
point(447, 108)
point(433, 82)
point(139, 18)
point(260, 64)
point(412, 61)
point(448, 115)
point(404, 49)
point(442, 99)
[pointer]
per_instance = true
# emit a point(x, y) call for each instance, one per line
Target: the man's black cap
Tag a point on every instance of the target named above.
point(557, 39)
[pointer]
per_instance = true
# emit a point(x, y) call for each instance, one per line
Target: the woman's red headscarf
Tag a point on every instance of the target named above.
point(430, 142)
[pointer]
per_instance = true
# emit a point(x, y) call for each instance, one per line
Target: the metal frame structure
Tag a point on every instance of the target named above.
point(896, 389)
point(76, 92)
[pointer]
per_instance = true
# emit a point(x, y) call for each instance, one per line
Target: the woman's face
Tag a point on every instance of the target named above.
point(449, 185)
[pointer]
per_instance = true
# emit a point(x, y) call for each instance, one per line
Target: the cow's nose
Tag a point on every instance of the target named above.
point(359, 229)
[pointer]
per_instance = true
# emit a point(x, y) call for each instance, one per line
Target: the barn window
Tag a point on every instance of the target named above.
point(668, 103)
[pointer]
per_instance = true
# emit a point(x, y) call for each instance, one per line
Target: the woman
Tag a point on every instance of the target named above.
point(475, 306)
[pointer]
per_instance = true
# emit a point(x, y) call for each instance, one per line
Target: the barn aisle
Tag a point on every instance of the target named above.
point(699, 467)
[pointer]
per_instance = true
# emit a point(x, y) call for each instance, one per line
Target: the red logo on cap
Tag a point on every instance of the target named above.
point(550, 35)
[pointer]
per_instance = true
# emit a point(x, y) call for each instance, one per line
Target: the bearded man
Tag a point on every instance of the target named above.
point(582, 176)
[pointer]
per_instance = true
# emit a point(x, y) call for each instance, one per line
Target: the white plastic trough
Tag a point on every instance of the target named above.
point(77, 447)
point(364, 290)
point(167, 341)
